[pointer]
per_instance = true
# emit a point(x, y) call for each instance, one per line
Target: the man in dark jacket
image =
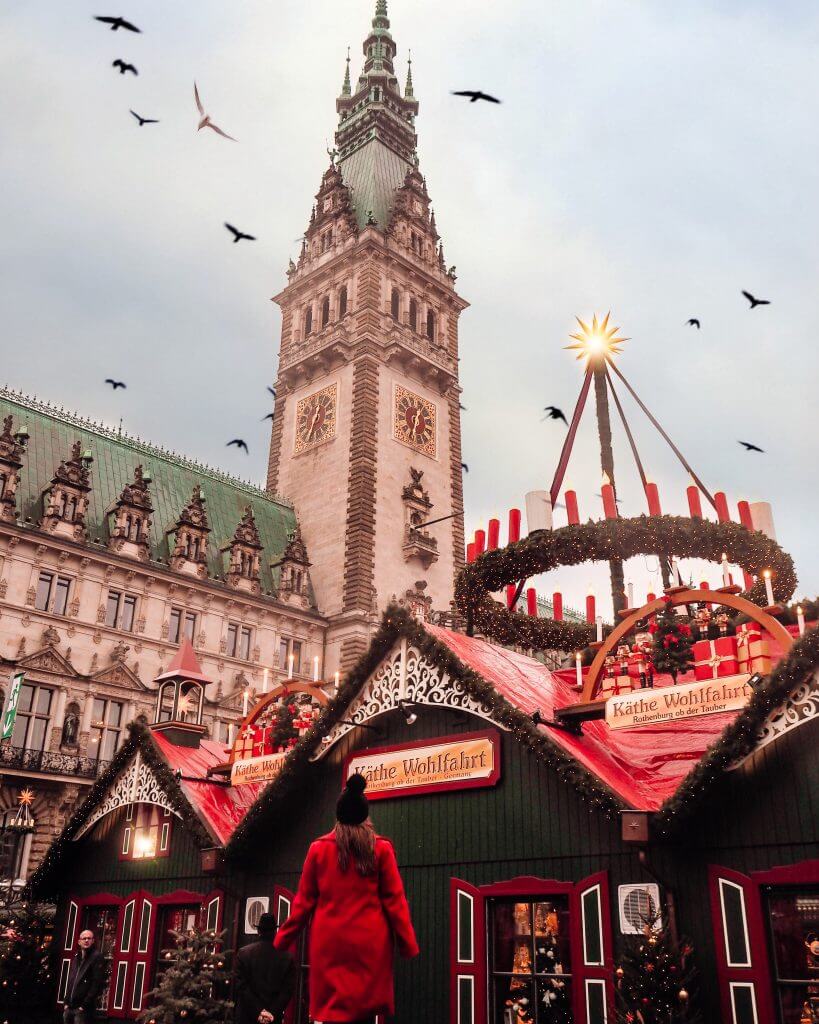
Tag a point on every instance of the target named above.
point(86, 980)
point(265, 978)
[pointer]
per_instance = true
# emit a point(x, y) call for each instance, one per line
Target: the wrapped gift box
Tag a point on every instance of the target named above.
point(753, 653)
point(637, 664)
point(716, 658)
point(611, 686)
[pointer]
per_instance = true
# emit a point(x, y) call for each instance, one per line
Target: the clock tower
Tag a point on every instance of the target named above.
point(366, 437)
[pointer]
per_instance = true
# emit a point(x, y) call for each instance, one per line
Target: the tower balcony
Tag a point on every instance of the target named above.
point(421, 545)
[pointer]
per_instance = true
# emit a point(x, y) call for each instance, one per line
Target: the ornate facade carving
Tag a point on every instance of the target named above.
point(12, 447)
point(294, 579)
point(130, 533)
point(190, 552)
point(418, 543)
point(137, 784)
point(245, 548)
point(66, 500)
point(801, 707)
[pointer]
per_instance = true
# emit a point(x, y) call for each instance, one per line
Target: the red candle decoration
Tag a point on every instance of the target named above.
point(480, 542)
point(748, 580)
point(557, 606)
point(470, 552)
point(609, 504)
point(723, 515)
point(531, 601)
point(653, 499)
point(694, 503)
point(650, 597)
point(705, 585)
point(510, 595)
point(493, 535)
point(570, 497)
point(744, 510)
point(514, 525)
point(590, 608)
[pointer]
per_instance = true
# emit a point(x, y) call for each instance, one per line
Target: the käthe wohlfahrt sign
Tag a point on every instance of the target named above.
point(673, 703)
point(468, 761)
point(256, 769)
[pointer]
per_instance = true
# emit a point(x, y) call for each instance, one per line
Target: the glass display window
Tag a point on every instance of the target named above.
point(793, 921)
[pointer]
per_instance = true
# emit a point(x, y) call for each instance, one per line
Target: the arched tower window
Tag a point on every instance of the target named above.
point(376, 94)
point(342, 306)
point(2, 484)
point(325, 311)
point(70, 509)
point(308, 321)
point(431, 325)
point(413, 314)
point(395, 304)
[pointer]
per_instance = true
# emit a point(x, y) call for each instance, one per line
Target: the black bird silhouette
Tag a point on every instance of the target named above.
point(475, 95)
point(269, 416)
point(116, 23)
point(123, 67)
point(115, 383)
point(144, 120)
point(554, 414)
point(271, 390)
point(756, 302)
point(750, 447)
point(239, 235)
point(239, 444)
point(462, 407)
point(693, 322)
point(464, 467)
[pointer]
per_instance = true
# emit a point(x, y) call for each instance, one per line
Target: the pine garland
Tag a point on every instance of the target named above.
point(605, 540)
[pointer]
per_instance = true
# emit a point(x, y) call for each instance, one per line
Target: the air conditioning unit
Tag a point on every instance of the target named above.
point(639, 904)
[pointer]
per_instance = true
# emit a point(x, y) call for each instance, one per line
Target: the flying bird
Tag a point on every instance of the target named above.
point(116, 23)
point(123, 67)
point(554, 414)
point(756, 302)
point(271, 390)
point(205, 121)
point(693, 322)
point(239, 444)
point(750, 447)
point(144, 120)
point(475, 95)
point(239, 235)
point(269, 416)
point(464, 467)
point(115, 383)
point(462, 407)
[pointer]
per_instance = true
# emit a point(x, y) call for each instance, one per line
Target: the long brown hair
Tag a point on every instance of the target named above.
point(356, 843)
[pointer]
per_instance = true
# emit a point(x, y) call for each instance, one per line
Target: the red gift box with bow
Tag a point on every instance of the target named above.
point(714, 659)
point(753, 652)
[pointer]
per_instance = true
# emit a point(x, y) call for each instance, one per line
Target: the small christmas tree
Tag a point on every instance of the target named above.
point(192, 989)
point(671, 651)
point(284, 732)
point(27, 979)
point(655, 981)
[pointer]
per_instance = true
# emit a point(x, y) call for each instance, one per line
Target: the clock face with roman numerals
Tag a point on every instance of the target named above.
point(414, 421)
point(316, 419)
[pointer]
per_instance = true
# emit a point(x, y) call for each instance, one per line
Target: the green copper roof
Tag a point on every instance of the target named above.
point(52, 434)
point(373, 173)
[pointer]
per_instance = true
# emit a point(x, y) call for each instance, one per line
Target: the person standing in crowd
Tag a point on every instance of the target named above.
point(86, 980)
point(265, 977)
point(351, 885)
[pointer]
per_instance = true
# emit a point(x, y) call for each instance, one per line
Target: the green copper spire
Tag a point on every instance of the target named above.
point(408, 87)
point(346, 89)
point(381, 8)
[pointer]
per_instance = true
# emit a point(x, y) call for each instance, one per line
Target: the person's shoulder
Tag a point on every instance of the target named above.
point(382, 843)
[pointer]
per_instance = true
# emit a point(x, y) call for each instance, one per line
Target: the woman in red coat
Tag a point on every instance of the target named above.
point(351, 886)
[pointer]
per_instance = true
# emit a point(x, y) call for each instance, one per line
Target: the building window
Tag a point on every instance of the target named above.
point(342, 303)
point(431, 325)
point(2, 484)
point(120, 611)
point(182, 623)
point(793, 920)
point(308, 321)
point(68, 507)
point(238, 641)
point(52, 593)
point(413, 314)
point(325, 311)
point(530, 957)
point(220, 732)
point(376, 94)
point(172, 918)
point(147, 833)
point(106, 728)
point(33, 717)
point(395, 304)
point(288, 647)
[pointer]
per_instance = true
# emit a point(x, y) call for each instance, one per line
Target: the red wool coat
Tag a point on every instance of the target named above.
point(355, 920)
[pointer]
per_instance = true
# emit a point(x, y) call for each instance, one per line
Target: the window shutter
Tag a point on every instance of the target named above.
point(121, 959)
point(142, 947)
point(212, 907)
point(593, 990)
point(282, 904)
point(68, 948)
point(467, 954)
point(739, 934)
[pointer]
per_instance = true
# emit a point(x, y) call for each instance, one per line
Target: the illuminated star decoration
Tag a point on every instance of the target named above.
point(26, 797)
point(597, 340)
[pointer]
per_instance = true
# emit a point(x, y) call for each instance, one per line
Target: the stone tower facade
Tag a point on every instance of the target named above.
point(366, 437)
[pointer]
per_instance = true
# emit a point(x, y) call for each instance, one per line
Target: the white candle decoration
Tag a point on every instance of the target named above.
point(599, 624)
point(768, 587)
point(337, 681)
point(800, 618)
point(675, 572)
point(726, 576)
point(265, 680)
point(290, 660)
point(315, 668)
point(630, 587)
point(579, 669)
point(245, 702)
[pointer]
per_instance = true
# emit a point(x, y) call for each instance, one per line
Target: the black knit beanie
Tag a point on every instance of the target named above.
point(352, 807)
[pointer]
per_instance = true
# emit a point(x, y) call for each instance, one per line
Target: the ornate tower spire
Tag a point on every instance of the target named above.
point(346, 89)
point(408, 91)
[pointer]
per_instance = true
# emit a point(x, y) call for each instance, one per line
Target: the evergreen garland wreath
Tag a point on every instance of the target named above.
point(602, 541)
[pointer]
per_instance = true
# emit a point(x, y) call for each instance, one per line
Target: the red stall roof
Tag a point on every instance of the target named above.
point(219, 807)
point(643, 766)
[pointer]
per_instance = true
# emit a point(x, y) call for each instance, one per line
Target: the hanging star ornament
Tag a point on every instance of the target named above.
point(596, 340)
point(26, 797)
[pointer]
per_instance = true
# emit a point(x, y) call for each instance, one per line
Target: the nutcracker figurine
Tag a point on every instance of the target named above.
point(703, 620)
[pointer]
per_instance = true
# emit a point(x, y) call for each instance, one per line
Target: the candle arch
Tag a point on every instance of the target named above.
point(601, 541)
point(271, 699)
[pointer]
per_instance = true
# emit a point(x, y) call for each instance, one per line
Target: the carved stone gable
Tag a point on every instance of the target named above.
point(12, 447)
point(130, 534)
point(48, 660)
point(244, 548)
point(191, 536)
point(118, 674)
point(66, 500)
point(137, 784)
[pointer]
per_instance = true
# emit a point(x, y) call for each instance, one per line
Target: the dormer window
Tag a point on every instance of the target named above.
point(431, 325)
point(2, 485)
point(376, 95)
point(395, 304)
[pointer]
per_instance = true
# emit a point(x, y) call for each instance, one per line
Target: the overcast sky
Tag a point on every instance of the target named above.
point(649, 158)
